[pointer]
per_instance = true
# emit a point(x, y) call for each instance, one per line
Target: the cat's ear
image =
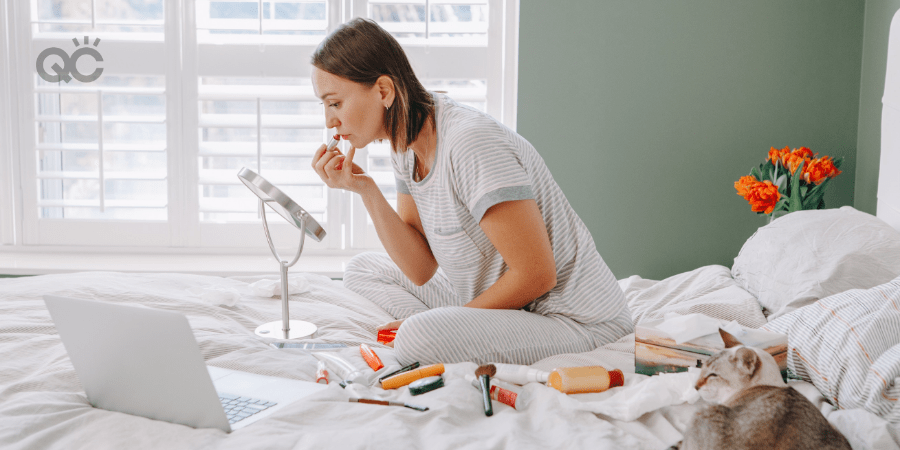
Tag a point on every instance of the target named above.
point(729, 339)
point(747, 361)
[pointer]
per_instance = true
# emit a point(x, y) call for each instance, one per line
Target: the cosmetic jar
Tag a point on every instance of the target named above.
point(424, 385)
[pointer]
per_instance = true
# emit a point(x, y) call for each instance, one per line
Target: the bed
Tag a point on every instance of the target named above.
point(824, 289)
point(42, 404)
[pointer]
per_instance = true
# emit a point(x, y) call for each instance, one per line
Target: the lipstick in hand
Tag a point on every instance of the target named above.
point(335, 140)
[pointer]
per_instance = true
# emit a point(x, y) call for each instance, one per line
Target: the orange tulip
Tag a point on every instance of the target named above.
point(819, 169)
point(776, 154)
point(744, 185)
point(791, 161)
point(803, 152)
point(763, 197)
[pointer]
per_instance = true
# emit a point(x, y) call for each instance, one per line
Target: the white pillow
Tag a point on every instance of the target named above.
point(808, 255)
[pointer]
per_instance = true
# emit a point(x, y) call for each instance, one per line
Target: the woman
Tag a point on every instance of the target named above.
point(486, 260)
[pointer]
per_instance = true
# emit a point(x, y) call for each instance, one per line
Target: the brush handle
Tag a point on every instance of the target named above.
point(486, 393)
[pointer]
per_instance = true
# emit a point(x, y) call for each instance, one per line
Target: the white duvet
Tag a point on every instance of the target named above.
point(42, 405)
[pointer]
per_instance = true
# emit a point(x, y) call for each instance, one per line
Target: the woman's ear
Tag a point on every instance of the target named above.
point(385, 86)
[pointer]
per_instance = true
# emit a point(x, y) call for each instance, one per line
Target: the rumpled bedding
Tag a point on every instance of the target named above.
point(43, 406)
point(848, 346)
point(706, 290)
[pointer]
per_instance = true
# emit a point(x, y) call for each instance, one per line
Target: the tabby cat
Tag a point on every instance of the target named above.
point(752, 407)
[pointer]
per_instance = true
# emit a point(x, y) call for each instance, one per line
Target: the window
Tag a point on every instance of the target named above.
point(147, 154)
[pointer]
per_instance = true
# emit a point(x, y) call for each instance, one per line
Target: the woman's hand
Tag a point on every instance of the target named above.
point(339, 171)
point(390, 326)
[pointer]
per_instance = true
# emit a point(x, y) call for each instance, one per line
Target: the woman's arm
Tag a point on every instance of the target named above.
point(517, 230)
point(401, 234)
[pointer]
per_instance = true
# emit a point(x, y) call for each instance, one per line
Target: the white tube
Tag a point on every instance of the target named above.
point(513, 373)
point(342, 368)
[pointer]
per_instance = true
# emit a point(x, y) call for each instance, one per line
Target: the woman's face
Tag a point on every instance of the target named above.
point(356, 111)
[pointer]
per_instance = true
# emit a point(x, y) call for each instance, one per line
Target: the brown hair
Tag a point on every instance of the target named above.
point(361, 51)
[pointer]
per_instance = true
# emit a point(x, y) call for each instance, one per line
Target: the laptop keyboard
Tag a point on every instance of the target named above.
point(238, 408)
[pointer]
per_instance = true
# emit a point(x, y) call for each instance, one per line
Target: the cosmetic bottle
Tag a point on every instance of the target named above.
point(580, 380)
point(512, 373)
point(342, 368)
point(502, 392)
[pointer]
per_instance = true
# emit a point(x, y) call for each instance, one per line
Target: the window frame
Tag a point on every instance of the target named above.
point(183, 231)
point(8, 140)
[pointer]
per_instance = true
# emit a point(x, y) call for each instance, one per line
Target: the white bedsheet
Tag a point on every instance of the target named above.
point(42, 405)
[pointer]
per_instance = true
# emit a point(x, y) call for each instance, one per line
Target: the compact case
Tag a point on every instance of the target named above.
point(655, 352)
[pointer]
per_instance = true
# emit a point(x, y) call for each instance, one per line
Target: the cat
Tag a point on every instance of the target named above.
point(752, 408)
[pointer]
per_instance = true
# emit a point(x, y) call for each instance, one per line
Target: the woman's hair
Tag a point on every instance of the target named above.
point(361, 51)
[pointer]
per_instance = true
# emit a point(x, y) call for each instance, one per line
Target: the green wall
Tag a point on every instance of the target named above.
point(647, 111)
point(874, 63)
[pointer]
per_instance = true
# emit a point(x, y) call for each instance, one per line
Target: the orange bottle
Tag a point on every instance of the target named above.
point(580, 380)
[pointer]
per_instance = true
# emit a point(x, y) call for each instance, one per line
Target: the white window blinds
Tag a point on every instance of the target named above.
point(191, 91)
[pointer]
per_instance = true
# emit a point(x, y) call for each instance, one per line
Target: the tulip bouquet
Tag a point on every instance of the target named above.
point(788, 181)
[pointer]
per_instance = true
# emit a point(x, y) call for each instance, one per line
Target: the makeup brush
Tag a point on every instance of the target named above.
point(484, 374)
point(389, 403)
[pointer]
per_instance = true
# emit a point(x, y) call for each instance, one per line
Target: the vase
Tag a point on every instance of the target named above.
point(774, 215)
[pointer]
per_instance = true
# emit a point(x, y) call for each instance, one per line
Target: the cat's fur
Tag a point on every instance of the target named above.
point(752, 408)
point(736, 368)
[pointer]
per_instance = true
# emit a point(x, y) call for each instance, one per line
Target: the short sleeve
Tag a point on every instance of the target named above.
point(400, 175)
point(489, 173)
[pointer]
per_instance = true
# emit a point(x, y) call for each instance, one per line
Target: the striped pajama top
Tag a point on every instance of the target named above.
point(479, 163)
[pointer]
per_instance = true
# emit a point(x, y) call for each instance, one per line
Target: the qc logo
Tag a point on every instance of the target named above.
point(69, 68)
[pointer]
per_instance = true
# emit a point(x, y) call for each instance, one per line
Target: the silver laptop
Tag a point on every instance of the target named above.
point(146, 362)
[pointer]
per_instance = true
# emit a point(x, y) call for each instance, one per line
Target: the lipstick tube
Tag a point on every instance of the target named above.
point(385, 336)
point(405, 378)
point(333, 142)
point(371, 358)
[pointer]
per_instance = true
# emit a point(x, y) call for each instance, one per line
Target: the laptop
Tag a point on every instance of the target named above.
point(146, 362)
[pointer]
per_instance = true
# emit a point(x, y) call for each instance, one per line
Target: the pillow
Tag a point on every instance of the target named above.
point(848, 346)
point(808, 255)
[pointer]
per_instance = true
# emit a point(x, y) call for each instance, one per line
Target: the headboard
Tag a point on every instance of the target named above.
point(889, 174)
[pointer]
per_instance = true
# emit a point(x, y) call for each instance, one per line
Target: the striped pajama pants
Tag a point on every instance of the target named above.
point(437, 328)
